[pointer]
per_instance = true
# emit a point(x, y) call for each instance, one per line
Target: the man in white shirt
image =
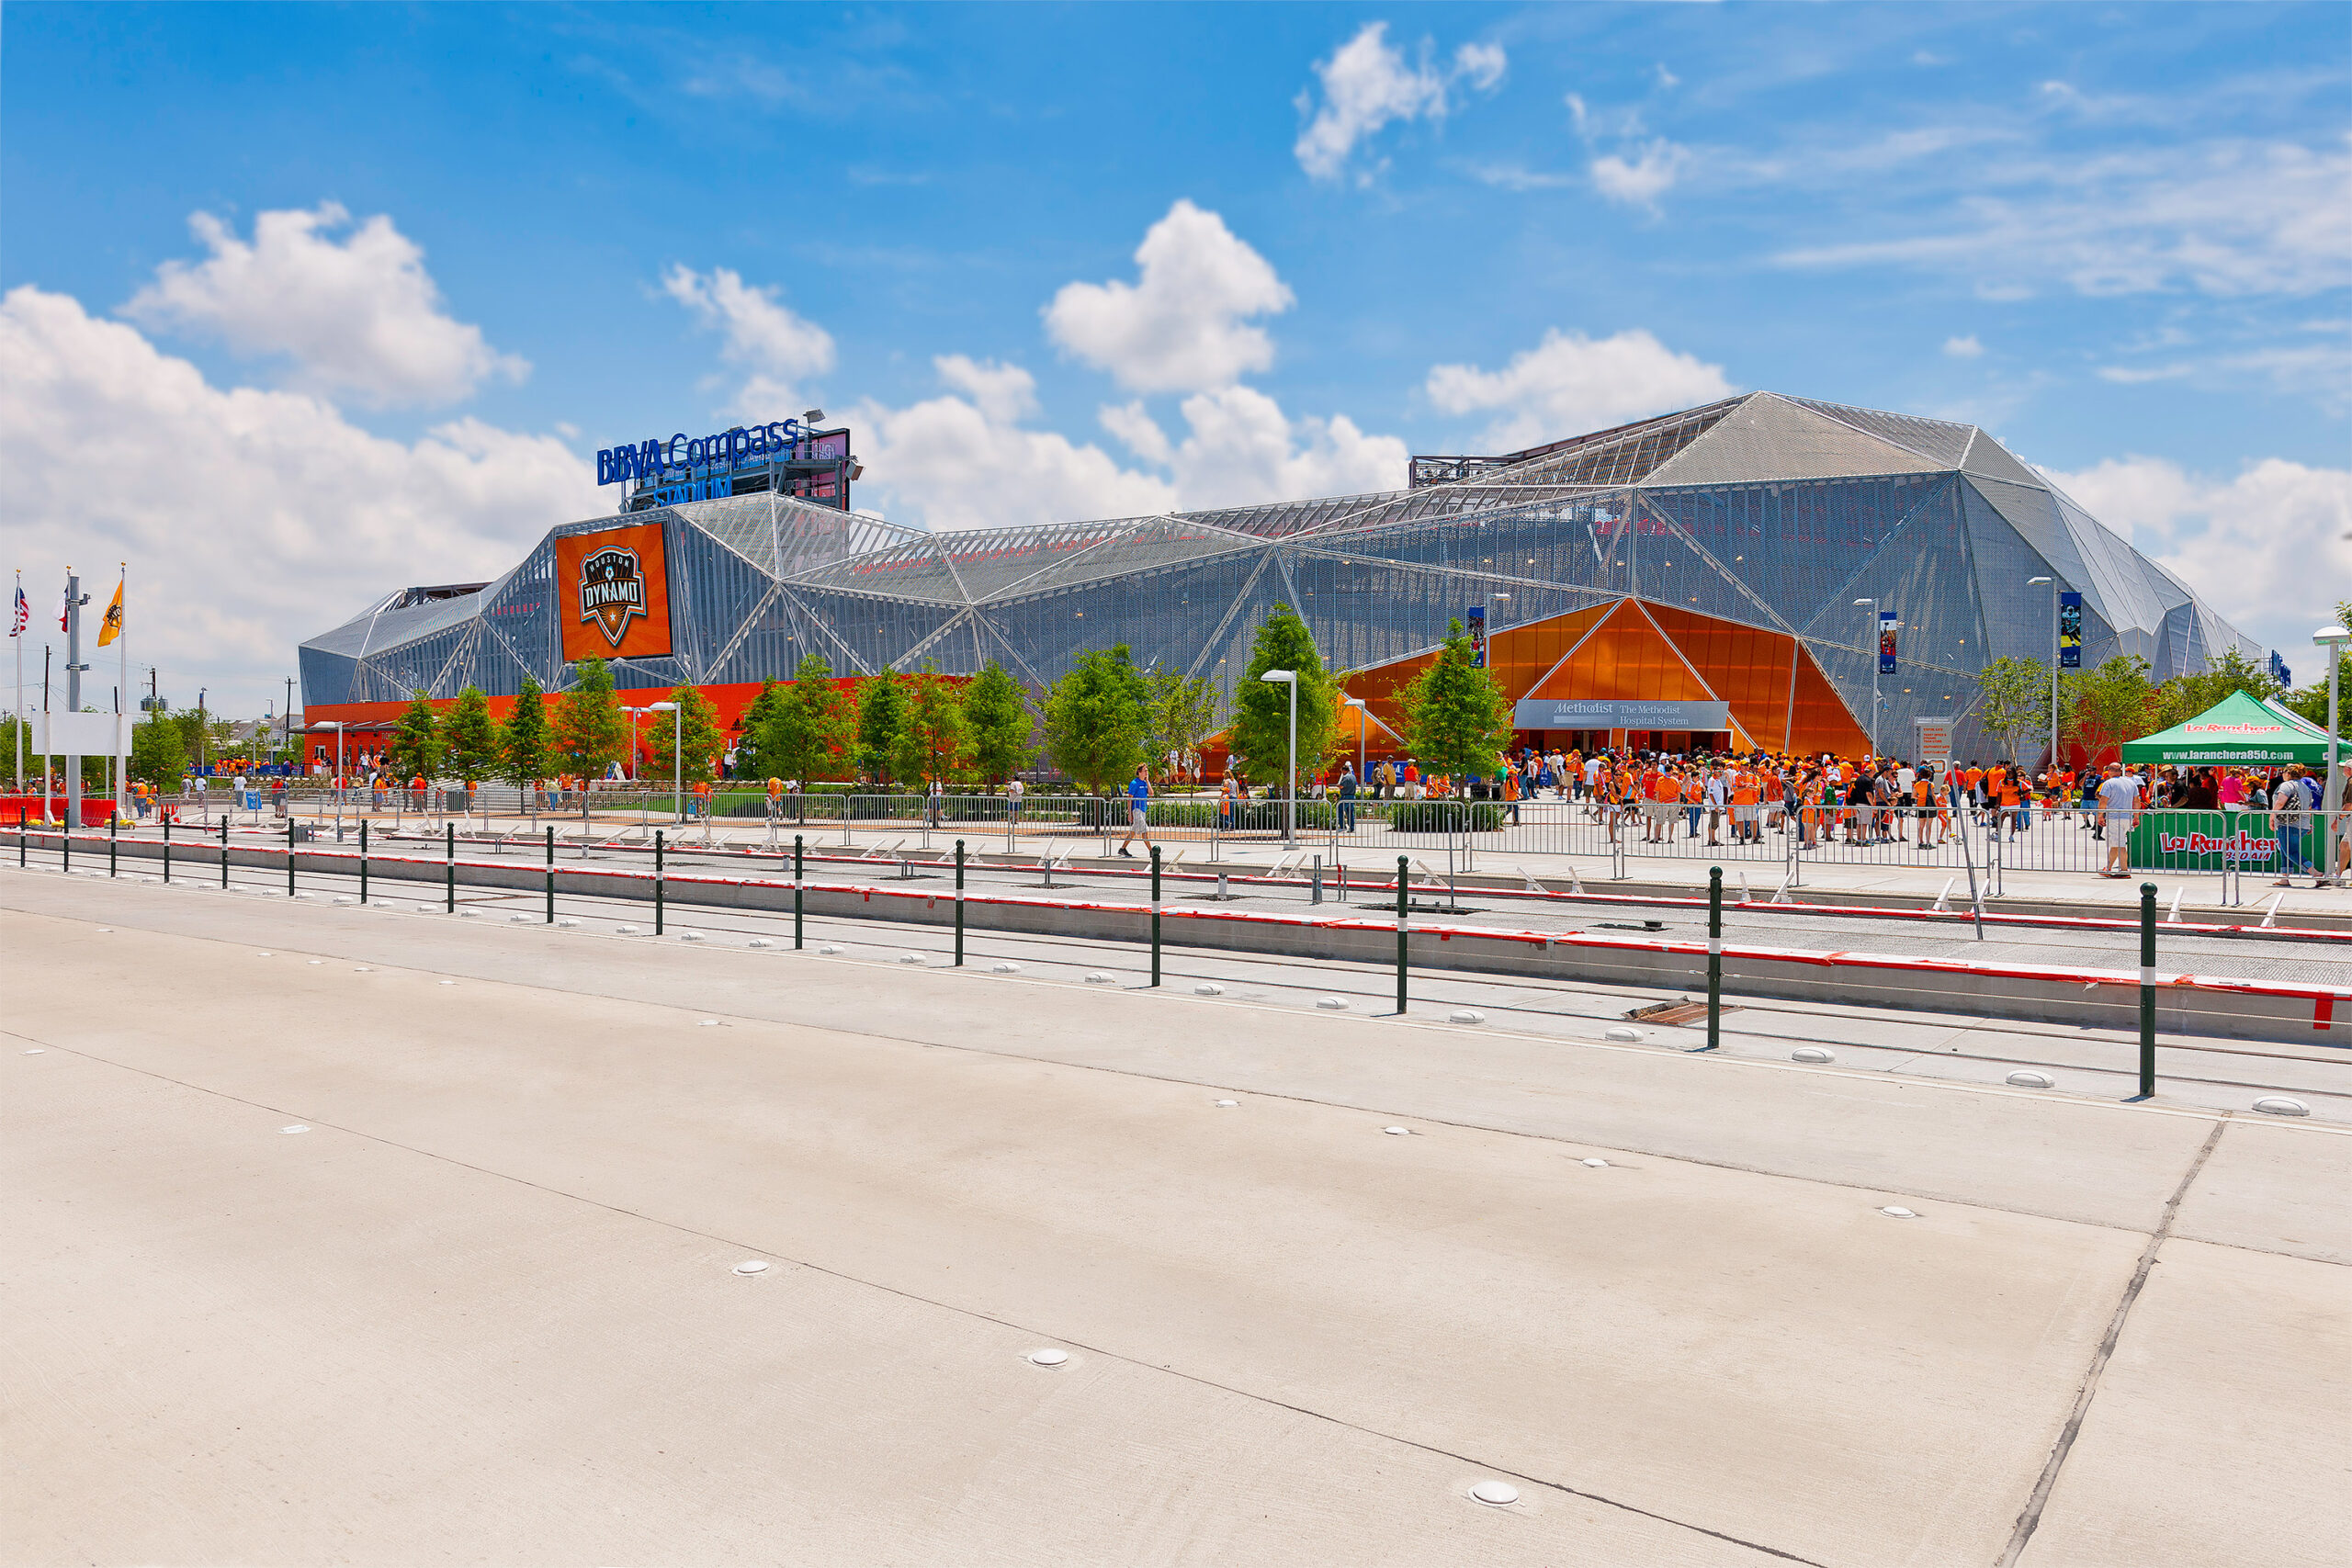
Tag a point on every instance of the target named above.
point(2118, 803)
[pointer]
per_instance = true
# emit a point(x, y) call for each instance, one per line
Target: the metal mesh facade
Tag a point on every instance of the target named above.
point(1761, 511)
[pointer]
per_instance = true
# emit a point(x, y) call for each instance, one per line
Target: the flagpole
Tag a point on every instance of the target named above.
point(122, 651)
point(17, 636)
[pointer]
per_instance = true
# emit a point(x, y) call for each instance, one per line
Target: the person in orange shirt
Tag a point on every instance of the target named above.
point(1745, 806)
point(702, 800)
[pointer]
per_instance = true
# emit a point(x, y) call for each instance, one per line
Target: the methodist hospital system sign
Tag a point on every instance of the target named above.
point(612, 588)
point(1549, 713)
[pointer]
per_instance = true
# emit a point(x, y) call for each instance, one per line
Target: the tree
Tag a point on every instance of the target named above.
point(2108, 705)
point(997, 711)
point(471, 737)
point(416, 747)
point(2013, 699)
point(881, 714)
point(2185, 696)
point(590, 734)
point(750, 758)
point(935, 739)
point(808, 725)
point(1457, 720)
point(525, 748)
point(1261, 730)
point(1184, 712)
point(1098, 718)
point(2310, 701)
point(158, 756)
point(697, 722)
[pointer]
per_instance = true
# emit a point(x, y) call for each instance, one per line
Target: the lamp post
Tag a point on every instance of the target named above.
point(1870, 644)
point(677, 756)
point(2330, 641)
point(335, 724)
point(1363, 722)
point(2029, 583)
point(1290, 781)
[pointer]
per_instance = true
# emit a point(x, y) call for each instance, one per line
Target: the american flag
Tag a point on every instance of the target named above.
point(18, 622)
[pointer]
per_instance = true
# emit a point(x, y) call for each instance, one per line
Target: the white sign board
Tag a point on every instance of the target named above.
point(82, 734)
point(1935, 741)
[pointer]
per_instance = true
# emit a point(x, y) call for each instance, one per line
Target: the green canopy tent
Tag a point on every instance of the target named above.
point(2238, 731)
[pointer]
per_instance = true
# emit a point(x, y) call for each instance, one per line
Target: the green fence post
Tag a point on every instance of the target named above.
point(1402, 866)
point(798, 928)
point(168, 848)
point(1715, 956)
point(363, 861)
point(224, 854)
point(289, 854)
point(66, 842)
point(657, 882)
point(1155, 914)
point(2147, 990)
point(959, 903)
point(114, 837)
point(550, 875)
point(450, 871)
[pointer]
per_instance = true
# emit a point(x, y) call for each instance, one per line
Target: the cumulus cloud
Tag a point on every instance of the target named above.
point(2270, 549)
point(358, 316)
point(1640, 180)
point(1368, 84)
point(1963, 347)
point(778, 349)
point(1569, 384)
point(1242, 449)
point(1185, 324)
point(966, 460)
point(250, 518)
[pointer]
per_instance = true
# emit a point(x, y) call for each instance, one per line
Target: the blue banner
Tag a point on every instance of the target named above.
point(1886, 624)
point(2070, 631)
point(1476, 619)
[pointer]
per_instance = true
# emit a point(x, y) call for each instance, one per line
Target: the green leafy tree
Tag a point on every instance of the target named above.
point(416, 747)
point(590, 733)
point(1184, 712)
point(881, 718)
point(751, 759)
point(1260, 730)
point(471, 737)
point(2013, 699)
point(1098, 718)
point(697, 723)
point(2108, 705)
point(2185, 696)
point(158, 756)
point(526, 745)
point(1457, 720)
point(807, 727)
point(935, 739)
point(997, 711)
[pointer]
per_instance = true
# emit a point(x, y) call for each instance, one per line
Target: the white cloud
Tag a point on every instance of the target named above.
point(1963, 347)
point(1665, 78)
point(2268, 549)
point(1570, 384)
point(780, 349)
point(1647, 176)
point(1185, 325)
point(250, 519)
point(2132, 376)
point(1367, 84)
point(360, 316)
point(965, 461)
point(1243, 449)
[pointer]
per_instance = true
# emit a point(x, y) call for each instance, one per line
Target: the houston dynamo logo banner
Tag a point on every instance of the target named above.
point(615, 593)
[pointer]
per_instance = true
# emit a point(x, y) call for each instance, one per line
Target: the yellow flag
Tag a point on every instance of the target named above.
point(112, 628)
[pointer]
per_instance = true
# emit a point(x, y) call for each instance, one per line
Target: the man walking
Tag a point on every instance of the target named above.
point(1138, 806)
point(2290, 811)
point(1346, 797)
point(2119, 804)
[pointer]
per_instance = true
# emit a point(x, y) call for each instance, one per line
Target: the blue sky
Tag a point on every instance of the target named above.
point(371, 283)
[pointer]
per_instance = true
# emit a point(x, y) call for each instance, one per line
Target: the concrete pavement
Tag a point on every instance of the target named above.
point(484, 1311)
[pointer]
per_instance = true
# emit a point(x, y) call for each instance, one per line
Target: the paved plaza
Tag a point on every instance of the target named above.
point(341, 1234)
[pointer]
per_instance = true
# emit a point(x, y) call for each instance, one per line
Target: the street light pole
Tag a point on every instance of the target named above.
point(2053, 665)
point(1363, 723)
point(678, 757)
point(1870, 643)
point(1290, 783)
point(2331, 640)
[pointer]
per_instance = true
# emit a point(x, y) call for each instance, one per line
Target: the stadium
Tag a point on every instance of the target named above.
point(1743, 574)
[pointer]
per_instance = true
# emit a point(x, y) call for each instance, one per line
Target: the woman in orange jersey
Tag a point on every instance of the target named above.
point(1809, 792)
point(1929, 809)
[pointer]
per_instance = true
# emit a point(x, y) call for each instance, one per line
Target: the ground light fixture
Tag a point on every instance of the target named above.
point(1289, 780)
point(677, 756)
point(2331, 639)
point(2053, 585)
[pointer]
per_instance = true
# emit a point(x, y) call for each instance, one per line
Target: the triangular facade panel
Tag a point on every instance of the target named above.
point(1770, 437)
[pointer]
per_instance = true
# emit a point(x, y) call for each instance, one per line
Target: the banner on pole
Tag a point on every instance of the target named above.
point(1886, 628)
point(2070, 631)
point(1475, 618)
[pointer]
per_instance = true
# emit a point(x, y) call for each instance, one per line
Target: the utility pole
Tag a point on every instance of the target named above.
point(289, 712)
